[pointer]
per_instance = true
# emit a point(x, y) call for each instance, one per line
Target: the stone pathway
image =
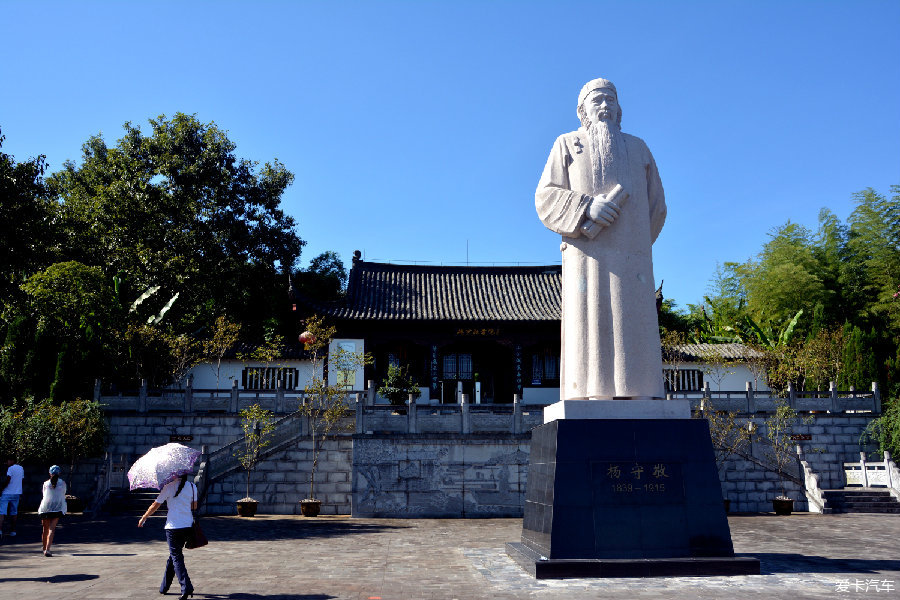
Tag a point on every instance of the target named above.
point(292, 558)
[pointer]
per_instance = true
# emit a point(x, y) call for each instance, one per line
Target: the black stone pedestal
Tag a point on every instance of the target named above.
point(625, 498)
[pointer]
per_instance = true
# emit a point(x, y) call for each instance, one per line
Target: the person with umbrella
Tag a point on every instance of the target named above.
point(166, 468)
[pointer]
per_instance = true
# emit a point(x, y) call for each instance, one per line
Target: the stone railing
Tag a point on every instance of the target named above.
point(814, 496)
point(462, 418)
point(421, 417)
point(198, 400)
point(868, 474)
point(751, 401)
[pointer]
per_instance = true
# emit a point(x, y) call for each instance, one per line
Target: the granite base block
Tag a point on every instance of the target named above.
point(632, 490)
point(540, 567)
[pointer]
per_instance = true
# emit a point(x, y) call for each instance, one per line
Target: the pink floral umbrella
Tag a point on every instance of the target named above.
point(162, 465)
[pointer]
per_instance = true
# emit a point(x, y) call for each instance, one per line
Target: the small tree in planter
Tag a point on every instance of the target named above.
point(779, 429)
point(398, 385)
point(728, 436)
point(324, 406)
point(257, 423)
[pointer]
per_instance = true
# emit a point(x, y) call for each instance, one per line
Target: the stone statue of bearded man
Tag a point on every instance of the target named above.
point(601, 191)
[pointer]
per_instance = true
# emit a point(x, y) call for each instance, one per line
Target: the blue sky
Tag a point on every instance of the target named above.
point(418, 130)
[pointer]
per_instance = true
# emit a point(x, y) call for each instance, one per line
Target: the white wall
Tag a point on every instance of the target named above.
point(733, 378)
point(357, 378)
point(204, 374)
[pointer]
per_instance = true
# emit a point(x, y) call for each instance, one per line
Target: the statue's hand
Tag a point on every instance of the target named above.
point(603, 211)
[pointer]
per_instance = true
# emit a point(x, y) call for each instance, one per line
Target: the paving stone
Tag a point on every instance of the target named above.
point(283, 557)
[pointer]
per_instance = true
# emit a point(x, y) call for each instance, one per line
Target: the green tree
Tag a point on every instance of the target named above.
point(257, 423)
point(325, 405)
point(398, 385)
point(177, 209)
point(785, 278)
point(28, 230)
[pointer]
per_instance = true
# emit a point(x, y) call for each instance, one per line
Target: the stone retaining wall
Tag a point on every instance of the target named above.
point(439, 475)
point(433, 475)
point(835, 440)
point(282, 480)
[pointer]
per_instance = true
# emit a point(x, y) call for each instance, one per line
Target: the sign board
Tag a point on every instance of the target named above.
point(181, 438)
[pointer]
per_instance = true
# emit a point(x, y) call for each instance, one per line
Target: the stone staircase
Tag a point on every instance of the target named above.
point(124, 502)
point(861, 500)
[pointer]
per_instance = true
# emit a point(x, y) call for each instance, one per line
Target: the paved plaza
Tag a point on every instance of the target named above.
point(294, 558)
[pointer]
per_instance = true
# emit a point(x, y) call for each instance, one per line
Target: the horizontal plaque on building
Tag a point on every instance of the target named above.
point(181, 438)
point(799, 437)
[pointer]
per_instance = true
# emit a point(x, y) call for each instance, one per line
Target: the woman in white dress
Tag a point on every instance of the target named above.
point(53, 506)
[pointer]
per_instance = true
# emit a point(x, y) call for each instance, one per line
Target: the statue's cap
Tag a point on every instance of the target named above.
point(596, 84)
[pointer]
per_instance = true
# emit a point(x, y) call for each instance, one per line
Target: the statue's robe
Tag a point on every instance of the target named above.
point(610, 331)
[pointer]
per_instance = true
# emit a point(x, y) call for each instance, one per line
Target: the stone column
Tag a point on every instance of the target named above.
point(412, 414)
point(517, 414)
point(188, 405)
point(876, 397)
point(234, 396)
point(751, 399)
point(464, 412)
point(279, 396)
point(832, 389)
point(360, 413)
point(142, 397)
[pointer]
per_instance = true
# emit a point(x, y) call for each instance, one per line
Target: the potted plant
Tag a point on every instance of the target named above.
point(324, 405)
point(779, 429)
point(728, 436)
point(398, 385)
point(257, 423)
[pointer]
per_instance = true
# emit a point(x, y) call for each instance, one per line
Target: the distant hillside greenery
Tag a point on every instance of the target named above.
point(824, 305)
point(143, 258)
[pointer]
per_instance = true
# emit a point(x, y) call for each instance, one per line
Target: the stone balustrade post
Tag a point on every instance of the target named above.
point(360, 413)
point(865, 473)
point(876, 398)
point(832, 389)
point(517, 414)
point(792, 396)
point(234, 396)
point(464, 413)
point(188, 405)
point(97, 388)
point(279, 396)
point(751, 398)
point(370, 393)
point(889, 471)
point(412, 414)
point(142, 397)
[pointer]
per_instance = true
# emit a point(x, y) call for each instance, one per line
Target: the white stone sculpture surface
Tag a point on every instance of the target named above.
point(601, 192)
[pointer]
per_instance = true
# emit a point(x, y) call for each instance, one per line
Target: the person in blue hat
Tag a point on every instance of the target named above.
point(53, 506)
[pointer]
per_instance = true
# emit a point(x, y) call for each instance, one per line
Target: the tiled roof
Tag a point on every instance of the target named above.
point(462, 293)
point(696, 352)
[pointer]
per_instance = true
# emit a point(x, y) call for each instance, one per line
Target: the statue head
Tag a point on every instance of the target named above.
point(591, 90)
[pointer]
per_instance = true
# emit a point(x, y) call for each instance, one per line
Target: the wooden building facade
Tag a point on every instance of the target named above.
point(489, 332)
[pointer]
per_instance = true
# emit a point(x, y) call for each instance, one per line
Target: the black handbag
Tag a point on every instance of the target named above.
point(197, 539)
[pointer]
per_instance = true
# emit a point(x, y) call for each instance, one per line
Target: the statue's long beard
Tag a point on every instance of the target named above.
point(609, 157)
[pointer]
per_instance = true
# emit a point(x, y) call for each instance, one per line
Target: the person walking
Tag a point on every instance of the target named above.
point(9, 496)
point(180, 497)
point(52, 508)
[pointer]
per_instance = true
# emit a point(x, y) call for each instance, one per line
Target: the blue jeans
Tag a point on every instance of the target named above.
point(175, 565)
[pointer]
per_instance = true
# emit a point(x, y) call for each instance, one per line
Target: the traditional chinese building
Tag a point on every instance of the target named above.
point(490, 332)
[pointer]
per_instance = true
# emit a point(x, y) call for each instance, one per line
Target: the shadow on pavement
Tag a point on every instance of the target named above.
point(123, 529)
point(242, 596)
point(53, 578)
point(774, 562)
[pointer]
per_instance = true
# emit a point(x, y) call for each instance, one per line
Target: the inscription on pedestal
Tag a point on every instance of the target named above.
point(654, 482)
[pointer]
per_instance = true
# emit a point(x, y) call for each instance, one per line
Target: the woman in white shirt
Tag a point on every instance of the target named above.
point(180, 497)
point(53, 506)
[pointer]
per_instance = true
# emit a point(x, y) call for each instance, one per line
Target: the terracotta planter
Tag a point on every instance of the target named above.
point(74, 504)
point(783, 506)
point(310, 508)
point(247, 508)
